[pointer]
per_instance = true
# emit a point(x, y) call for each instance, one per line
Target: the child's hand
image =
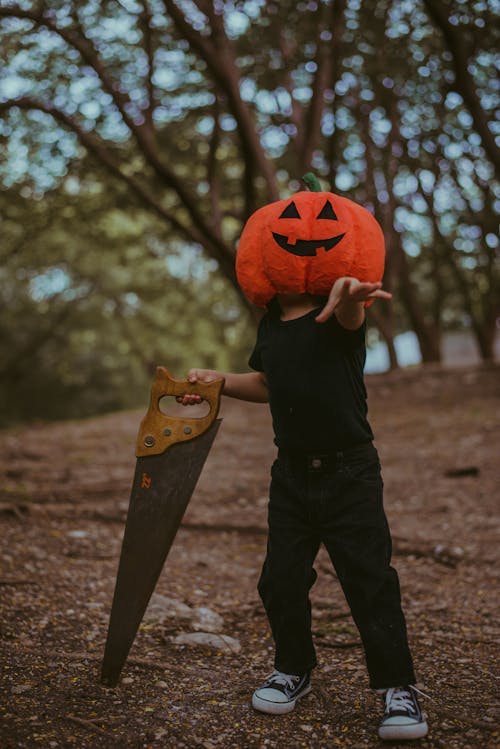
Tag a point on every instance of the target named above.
point(348, 290)
point(195, 375)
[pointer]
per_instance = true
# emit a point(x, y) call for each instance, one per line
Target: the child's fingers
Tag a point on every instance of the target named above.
point(380, 294)
point(331, 304)
point(363, 288)
point(203, 375)
point(370, 291)
point(189, 399)
point(327, 310)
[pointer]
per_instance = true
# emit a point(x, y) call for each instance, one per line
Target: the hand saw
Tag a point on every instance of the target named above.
point(170, 453)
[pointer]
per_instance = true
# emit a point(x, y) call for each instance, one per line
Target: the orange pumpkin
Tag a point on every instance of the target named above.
point(305, 243)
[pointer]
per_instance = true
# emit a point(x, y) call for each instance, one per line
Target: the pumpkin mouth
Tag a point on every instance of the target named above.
point(306, 247)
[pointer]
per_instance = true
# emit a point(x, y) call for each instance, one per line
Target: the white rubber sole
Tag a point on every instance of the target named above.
point(403, 732)
point(276, 708)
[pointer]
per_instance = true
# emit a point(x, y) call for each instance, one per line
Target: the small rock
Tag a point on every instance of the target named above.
point(493, 713)
point(161, 608)
point(208, 639)
point(206, 620)
point(21, 688)
point(202, 619)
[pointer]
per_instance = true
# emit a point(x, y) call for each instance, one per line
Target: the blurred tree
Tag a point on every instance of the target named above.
point(203, 110)
point(406, 123)
point(90, 303)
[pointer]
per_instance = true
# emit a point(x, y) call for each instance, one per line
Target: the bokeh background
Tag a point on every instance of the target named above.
point(138, 136)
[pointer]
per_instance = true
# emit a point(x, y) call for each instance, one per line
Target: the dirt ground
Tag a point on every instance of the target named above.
point(63, 501)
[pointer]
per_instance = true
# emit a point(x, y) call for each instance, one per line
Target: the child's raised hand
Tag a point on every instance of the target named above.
point(195, 375)
point(350, 290)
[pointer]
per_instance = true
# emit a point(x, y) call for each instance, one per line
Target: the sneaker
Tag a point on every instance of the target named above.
point(279, 692)
point(403, 718)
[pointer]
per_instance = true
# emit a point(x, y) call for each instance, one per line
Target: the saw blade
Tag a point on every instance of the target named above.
point(161, 490)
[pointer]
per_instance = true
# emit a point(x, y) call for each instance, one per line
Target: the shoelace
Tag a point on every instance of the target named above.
point(398, 698)
point(423, 694)
point(277, 677)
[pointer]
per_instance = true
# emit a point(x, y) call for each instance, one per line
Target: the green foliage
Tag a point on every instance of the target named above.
point(91, 303)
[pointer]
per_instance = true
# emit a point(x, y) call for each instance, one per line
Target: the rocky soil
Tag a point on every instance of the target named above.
point(204, 643)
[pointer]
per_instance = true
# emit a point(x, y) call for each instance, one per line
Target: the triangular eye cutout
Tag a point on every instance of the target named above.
point(328, 212)
point(291, 211)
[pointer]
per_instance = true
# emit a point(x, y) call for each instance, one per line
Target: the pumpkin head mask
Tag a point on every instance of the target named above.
point(304, 244)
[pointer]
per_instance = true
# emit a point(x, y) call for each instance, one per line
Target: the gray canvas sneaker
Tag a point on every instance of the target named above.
point(402, 718)
point(279, 693)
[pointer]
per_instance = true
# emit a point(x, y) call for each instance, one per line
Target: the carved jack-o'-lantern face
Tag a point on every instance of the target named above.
point(303, 244)
point(308, 247)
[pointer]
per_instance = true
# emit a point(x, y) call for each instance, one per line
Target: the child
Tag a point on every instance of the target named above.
point(326, 488)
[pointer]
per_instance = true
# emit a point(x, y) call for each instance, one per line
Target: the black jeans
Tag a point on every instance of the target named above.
point(335, 499)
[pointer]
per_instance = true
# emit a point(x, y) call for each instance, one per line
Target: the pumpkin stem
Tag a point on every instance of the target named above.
point(312, 182)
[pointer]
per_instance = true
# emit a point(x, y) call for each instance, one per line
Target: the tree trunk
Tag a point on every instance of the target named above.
point(485, 337)
point(384, 324)
point(427, 334)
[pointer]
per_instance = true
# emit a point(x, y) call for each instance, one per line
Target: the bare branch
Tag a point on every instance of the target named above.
point(383, 316)
point(287, 48)
point(88, 52)
point(145, 25)
point(218, 54)
point(201, 44)
point(464, 80)
point(327, 59)
point(143, 136)
point(212, 177)
point(95, 146)
point(427, 332)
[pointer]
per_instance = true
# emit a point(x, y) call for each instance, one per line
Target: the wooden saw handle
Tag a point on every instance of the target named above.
point(159, 431)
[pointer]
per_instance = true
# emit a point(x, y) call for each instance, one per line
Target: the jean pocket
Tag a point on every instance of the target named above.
point(367, 470)
point(281, 473)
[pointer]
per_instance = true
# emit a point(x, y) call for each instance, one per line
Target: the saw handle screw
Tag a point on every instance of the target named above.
point(149, 440)
point(187, 430)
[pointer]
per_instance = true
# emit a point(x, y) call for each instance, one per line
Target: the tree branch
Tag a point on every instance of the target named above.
point(427, 334)
point(143, 136)
point(196, 233)
point(218, 54)
point(328, 59)
point(145, 25)
point(464, 80)
point(89, 54)
point(287, 49)
point(212, 177)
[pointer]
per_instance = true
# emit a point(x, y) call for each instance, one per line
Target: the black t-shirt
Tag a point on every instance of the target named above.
point(314, 372)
